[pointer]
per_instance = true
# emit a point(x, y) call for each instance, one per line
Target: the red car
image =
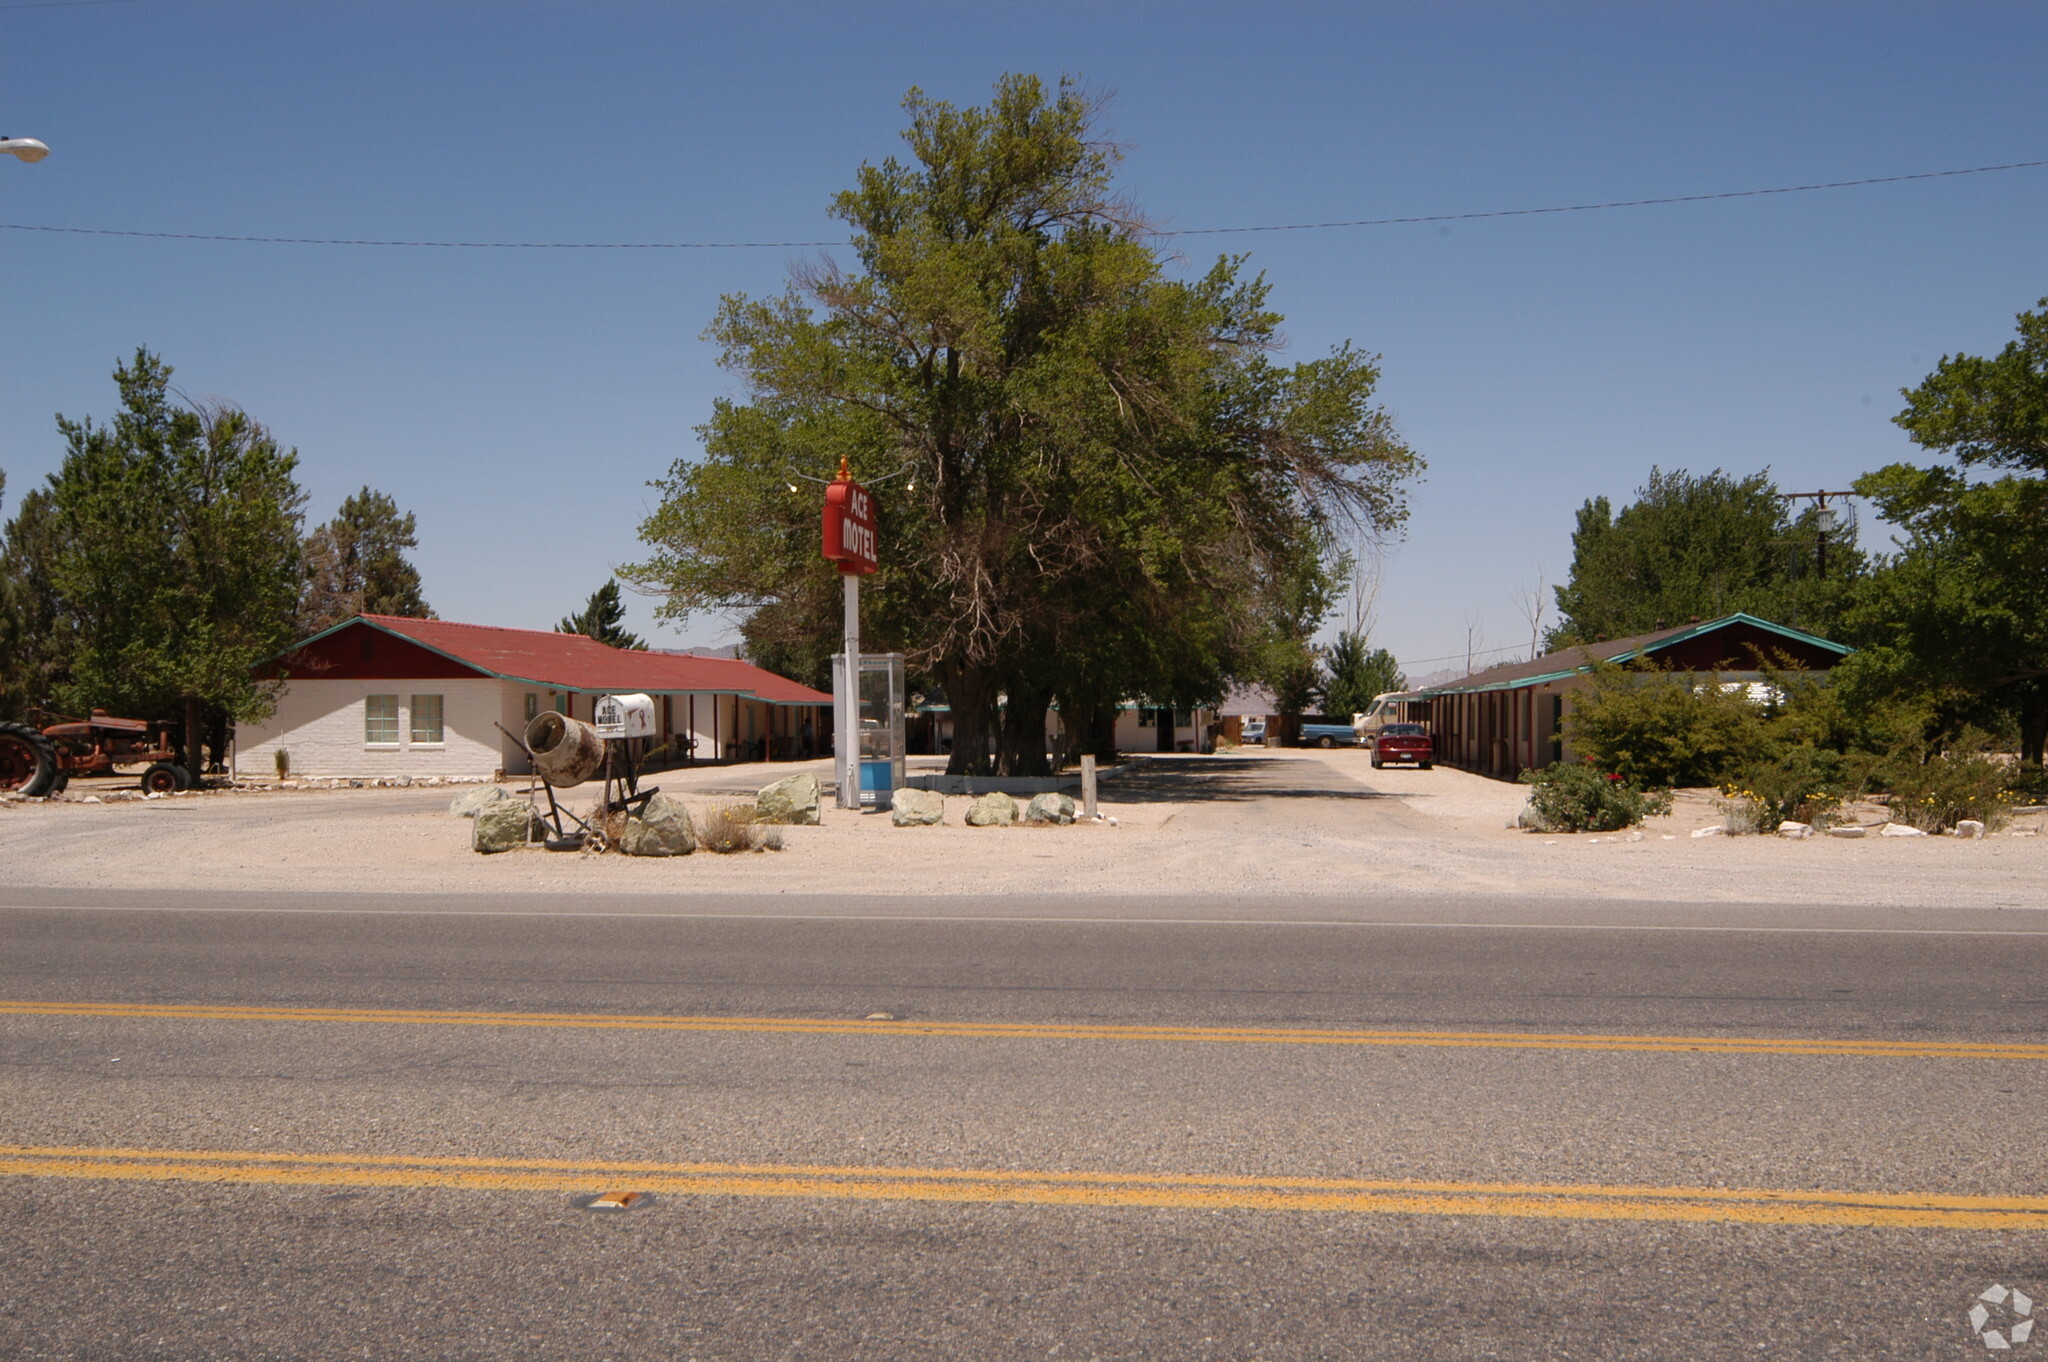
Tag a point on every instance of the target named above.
point(1404, 743)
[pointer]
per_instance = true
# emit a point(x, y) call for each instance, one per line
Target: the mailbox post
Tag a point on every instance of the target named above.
point(850, 542)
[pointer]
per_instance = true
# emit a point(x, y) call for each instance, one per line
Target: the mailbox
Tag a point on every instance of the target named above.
point(624, 716)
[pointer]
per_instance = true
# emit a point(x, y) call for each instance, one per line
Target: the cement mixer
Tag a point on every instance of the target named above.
point(565, 751)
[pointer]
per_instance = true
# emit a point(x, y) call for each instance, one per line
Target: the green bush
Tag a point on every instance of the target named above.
point(1797, 783)
point(1576, 797)
point(1660, 729)
point(1939, 792)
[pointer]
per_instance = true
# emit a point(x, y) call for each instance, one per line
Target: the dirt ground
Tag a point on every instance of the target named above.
point(1286, 824)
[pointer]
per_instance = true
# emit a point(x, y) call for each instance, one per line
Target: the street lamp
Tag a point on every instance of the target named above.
point(27, 148)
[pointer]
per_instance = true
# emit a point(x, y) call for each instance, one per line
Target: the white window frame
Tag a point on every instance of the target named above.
point(397, 720)
point(412, 725)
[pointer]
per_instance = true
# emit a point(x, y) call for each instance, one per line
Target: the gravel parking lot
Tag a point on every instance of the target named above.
point(1281, 823)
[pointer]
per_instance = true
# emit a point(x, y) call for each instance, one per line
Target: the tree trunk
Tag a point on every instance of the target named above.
point(2033, 721)
point(971, 692)
point(195, 740)
point(1022, 743)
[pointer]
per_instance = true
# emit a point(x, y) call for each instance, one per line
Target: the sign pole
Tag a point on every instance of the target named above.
point(848, 698)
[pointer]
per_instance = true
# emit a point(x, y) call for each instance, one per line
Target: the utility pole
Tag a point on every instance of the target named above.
point(1824, 523)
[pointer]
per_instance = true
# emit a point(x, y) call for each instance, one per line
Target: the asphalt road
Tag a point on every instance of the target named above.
point(347, 1126)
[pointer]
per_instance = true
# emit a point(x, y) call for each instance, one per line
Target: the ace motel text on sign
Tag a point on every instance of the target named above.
point(850, 527)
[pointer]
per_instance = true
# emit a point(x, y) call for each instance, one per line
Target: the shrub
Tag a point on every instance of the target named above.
point(1936, 794)
point(1659, 729)
point(728, 828)
point(1576, 797)
point(1799, 784)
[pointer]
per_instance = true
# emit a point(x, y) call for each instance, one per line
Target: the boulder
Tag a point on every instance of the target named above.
point(1711, 830)
point(1971, 829)
point(793, 800)
point(505, 824)
point(661, 828)
point(1796, 831)
point(1901, 830)
point(1531, 819)
point(992, 810)
point(912, 808)
point(1050, 807)
point(466, 804)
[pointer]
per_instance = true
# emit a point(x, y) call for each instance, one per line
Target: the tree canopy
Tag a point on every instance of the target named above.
point(356, 564)
point(603, 617)
point(1094, 481)
point(1357, 673)
point(1700, 545)
point(164, 555)
point(1962, 608)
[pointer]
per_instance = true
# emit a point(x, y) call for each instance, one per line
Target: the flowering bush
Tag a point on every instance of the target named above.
point(1936, 794)
point(1575, 797)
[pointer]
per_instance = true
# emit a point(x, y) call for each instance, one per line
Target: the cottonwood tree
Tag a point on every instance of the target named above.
point(1701, 545)
point(174, 555)
point(1962, 608)
point(356, 564)
point(1094, 481)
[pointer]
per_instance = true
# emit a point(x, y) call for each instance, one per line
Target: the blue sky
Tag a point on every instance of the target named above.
point(519, 401)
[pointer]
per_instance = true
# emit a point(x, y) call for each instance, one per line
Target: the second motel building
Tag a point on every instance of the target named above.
point(381, 695)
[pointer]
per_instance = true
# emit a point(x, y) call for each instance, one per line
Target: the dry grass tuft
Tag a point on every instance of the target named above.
point(727, 828)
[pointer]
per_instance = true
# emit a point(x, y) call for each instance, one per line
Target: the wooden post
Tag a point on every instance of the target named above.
point(1088, 786)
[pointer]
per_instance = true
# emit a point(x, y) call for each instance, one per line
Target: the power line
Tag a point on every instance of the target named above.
point(1181, 232)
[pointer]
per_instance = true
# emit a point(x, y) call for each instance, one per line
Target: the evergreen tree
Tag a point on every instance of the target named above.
point(603, 618)
point(356, 565)
point(1357, 673)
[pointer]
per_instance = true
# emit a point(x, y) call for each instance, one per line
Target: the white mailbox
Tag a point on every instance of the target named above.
point(623, 716)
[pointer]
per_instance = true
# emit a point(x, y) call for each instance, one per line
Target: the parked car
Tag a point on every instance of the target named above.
point(1253, 731)
point(1327, 735)
point(1404, 744)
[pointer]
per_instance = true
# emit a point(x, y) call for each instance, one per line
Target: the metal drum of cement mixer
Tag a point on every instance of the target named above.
point(565, 751)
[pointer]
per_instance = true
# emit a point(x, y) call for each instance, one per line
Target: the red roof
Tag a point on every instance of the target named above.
point(576, 662)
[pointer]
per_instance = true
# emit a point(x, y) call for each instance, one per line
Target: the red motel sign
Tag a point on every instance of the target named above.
point(850, 539)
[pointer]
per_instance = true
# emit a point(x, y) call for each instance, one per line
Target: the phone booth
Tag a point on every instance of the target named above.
point(879, 753)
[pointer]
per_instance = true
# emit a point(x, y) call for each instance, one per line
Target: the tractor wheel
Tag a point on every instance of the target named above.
point(58, 785)
point(185, 781)
point(28, 763)
point(164, 778)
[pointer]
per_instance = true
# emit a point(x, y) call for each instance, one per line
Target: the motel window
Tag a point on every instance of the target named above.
point(380, 720)
point(1183, 718)
point(426, 718)
point(532, 706)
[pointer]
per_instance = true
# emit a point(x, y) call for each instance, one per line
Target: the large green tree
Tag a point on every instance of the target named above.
point(37, 636)
point(1358, 672)
point(1702, 545)
point(175, 557)
point(1962, 608)
point(356, 564)
point(1094, 481)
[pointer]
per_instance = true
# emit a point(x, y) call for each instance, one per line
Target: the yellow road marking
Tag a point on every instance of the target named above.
point(1171, 1191)
point(802, 1026)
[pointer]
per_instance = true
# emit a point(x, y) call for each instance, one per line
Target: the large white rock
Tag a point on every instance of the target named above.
point(913, 808)
point(505, 824)
point(1796, 831)
point(466, 804)
point(1901, 830)
point(1050, 807)
point(992, 810)
point(793, 800)
point(661, 828)
point(1849, 831)
point(1970, 829)
point(1711, 830)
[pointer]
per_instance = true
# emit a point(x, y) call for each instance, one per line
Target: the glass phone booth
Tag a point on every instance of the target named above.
point(880, 722)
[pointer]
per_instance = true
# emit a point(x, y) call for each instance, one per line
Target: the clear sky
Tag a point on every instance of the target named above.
point(520, 400)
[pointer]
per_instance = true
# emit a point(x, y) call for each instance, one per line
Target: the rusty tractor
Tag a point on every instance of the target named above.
point(42, 762)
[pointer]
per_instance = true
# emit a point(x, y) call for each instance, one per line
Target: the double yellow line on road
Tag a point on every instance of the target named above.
point(1228, 1035)
point(1565, 1201)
